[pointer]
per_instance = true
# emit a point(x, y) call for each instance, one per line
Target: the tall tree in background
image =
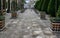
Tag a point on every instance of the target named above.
point(37, 5)
point(21, 4)
point(51, 8)
point(58, 12)
point(45, 5)
point(4, 4)
point(8, 10)
point(14, 5)
point(41, 3)
point(0, 5)
point(58, 3)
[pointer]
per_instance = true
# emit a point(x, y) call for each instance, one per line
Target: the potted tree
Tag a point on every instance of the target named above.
point(14, 6)
point(55, 24)
point(56, 21)
point(4, 7)
point(14, 14)
point(2, 22)
point(44, 8)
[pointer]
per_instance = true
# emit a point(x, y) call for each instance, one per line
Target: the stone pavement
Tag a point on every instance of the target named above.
point(27, 25)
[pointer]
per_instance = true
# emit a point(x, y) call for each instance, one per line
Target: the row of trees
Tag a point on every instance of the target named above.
point(51, 7)
point(6, 5)
point(19, 5)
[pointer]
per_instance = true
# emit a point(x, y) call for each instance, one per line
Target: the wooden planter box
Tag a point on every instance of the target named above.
point(14, 15)
point(56, 26)
point(2, 24)
point(4, 12)
point(42, 15)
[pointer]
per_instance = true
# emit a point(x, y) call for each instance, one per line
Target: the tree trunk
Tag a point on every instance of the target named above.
point(8, 6)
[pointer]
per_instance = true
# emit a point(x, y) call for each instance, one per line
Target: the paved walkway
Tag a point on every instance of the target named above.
point(27, 25)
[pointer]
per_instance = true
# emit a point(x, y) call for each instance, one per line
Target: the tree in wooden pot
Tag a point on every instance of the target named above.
point(2, 22)
point(14, 14)
point(4, 7)
point(56, 21)
point(42, 14)
point(14, 6)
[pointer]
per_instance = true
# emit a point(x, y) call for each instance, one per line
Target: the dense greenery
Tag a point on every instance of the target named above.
point(58, 3)
point(58, 12)
point(4, 4)
point(45, 5)
point(49, 6)
point(8, 10)
point(1, 15)
point(36, 6)
point(0, 4)
point(41, 3)
point(14, 5)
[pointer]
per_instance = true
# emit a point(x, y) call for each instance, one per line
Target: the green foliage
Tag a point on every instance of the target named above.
point(58, 3)
point(0, 4)
point(4, 4)
point(41, 3)
point(51, 8)
point(55, 20)
point(37, 5)
point(2, 17)
point(45, 5)
point(58, 13)
point(8, 6)
point(14, 5)
point(23, 1)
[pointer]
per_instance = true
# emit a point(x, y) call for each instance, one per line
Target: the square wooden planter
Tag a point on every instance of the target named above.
point(42, 15)
point(2, 24)
point(56, 26)
point(14, 15)
point(4, 12)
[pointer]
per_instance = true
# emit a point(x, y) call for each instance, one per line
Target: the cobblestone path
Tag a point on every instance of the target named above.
point(27, 25)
